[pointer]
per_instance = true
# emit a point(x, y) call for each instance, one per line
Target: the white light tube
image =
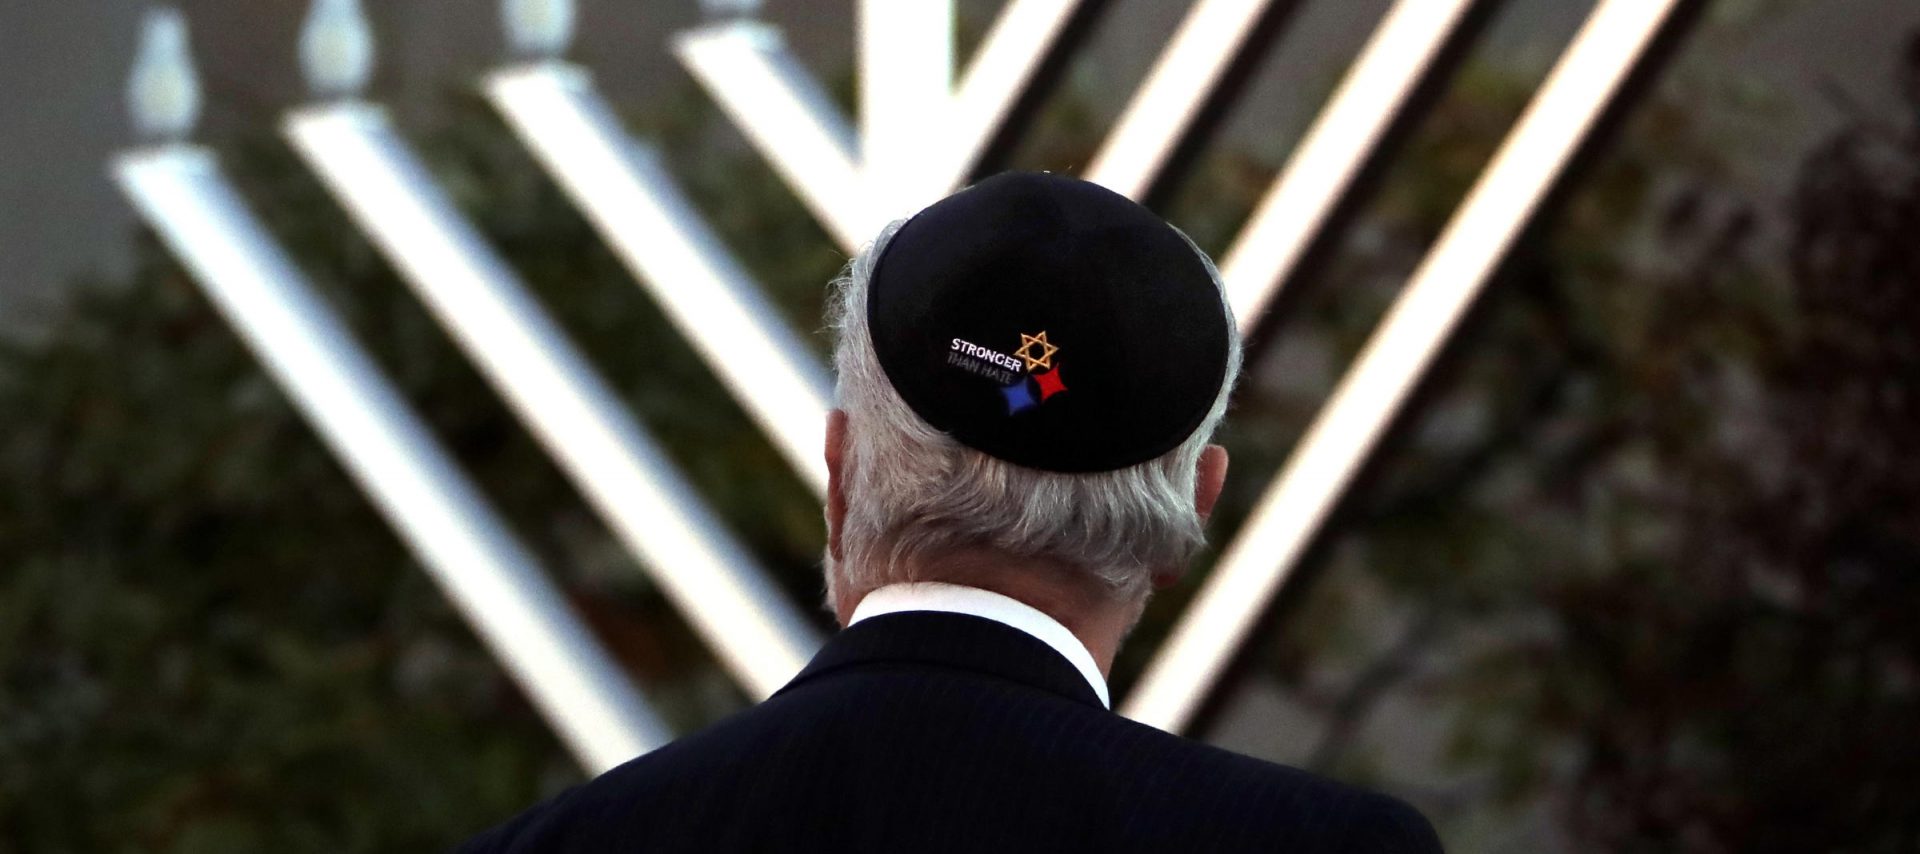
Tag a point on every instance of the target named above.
point(920, 139)
point(1022, 38)
point(906, 83)
point(758, 636)
point(745, 66)
point(634, 203)
point(1584, 82)
point(490, 577)
point(1396, 61)
point(1163, 110)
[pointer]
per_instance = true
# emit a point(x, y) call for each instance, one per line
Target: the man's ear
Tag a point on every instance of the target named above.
point(836, 498)
point(1210, 478)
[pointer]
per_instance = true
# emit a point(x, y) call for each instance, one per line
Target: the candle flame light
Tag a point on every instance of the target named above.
point(538, 27)
point(336, 48)
point(163, 92)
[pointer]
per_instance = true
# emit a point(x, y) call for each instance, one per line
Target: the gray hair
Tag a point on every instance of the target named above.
point(915, 493)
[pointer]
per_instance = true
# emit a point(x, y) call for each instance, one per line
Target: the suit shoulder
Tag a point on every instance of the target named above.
point(1198, 757)
point(1353, 819)
point(603, 805)
point(1386, 824)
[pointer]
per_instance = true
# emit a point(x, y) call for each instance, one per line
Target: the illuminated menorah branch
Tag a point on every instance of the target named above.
point(746, 69)
point(920, 136)
point(745, 66)
point(1214, 36)
point(477, 562)
point(1404, 56)
point(635, 205)
point(1588, 79)
point(709, 578)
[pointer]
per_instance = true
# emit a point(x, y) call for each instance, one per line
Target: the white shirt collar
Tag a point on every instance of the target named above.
point(960, 599)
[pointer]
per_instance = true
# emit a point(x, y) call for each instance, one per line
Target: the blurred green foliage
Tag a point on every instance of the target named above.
point(1642, 558)
point(1647, 544)
point(209, 640)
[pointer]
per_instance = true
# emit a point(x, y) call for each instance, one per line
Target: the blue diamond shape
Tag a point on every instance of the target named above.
point(1019, 398)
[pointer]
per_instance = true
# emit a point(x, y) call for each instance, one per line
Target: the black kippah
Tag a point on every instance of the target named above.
point(1049, 322)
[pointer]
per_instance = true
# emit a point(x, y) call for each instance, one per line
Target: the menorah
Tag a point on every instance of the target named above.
point(922, 134)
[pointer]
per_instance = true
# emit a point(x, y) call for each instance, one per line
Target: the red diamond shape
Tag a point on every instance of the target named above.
point(1050, 383)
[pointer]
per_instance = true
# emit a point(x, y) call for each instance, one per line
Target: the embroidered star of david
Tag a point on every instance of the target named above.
point(1028, 342)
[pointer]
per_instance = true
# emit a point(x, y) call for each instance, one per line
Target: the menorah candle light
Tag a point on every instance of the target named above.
point(758, 636)
point(635, 205)
point(478, 563)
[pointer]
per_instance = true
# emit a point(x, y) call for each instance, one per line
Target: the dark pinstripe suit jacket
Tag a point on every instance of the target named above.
point(928, 732)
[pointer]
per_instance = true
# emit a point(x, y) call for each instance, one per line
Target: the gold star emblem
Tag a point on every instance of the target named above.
point(1028, 342)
